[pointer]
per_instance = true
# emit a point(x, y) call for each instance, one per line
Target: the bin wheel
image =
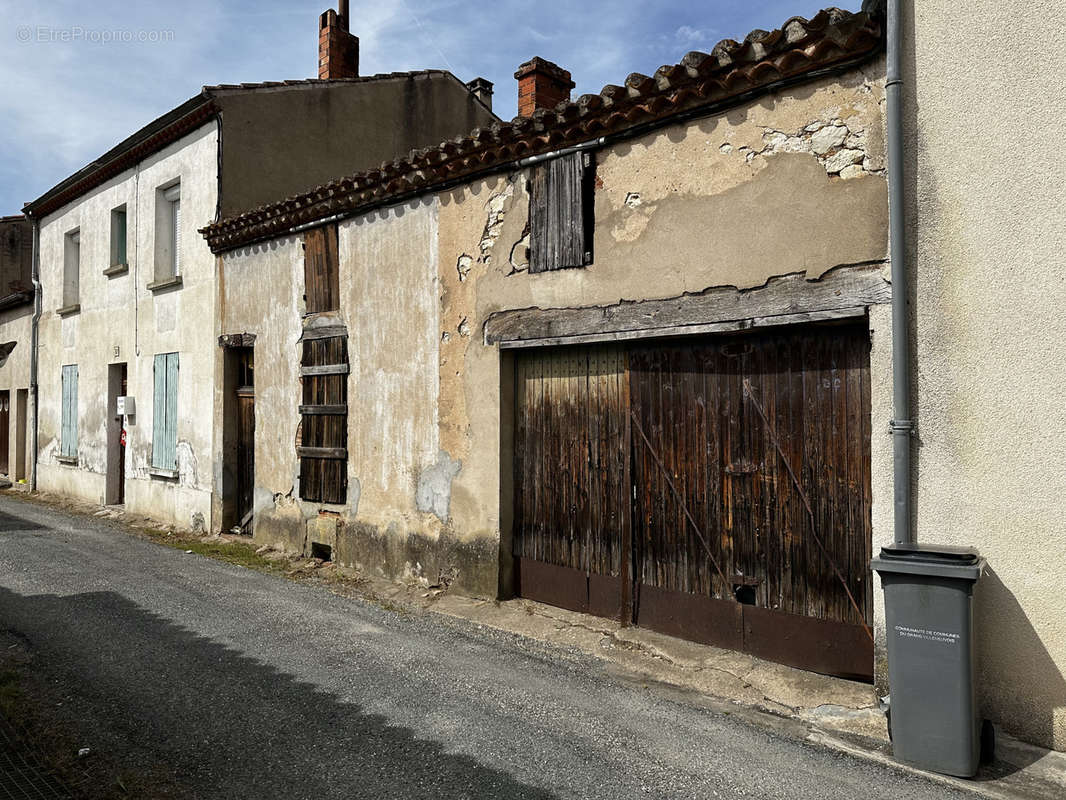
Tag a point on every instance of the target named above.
point(888, 721)
point(988, 742)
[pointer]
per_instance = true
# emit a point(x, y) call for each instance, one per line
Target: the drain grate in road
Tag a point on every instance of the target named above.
point(22, 777)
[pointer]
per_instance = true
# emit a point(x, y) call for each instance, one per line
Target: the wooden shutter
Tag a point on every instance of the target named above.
point(68, 439)
point(321, 269)
point(165, 412)
point(323, 447)
point(177, 236)
point(560, 213)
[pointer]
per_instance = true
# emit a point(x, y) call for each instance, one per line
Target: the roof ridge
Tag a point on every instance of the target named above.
point(324, 81)
point(799, 47)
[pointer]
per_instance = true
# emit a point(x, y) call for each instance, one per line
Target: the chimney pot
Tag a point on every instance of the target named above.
point(338, 49)
point(541, 84)
point(482, 90)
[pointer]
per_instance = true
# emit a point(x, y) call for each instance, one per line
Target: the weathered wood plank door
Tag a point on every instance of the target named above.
point(723, 549)
point(245, 436)
point(569, 466)
point(5, 428)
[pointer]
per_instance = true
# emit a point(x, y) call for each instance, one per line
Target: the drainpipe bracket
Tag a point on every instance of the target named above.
point(901, 427)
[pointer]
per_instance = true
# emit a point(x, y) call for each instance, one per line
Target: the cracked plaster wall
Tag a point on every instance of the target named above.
point(730, 200)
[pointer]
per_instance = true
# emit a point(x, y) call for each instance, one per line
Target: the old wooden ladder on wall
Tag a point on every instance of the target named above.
point(715, 489)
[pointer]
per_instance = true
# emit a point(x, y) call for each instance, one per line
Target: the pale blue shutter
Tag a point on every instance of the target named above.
point(159, 411)
point(64, 434)
point(68, 438)
point(171, 446)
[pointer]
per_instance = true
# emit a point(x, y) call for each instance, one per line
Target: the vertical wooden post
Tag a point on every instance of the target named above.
point(626, 565)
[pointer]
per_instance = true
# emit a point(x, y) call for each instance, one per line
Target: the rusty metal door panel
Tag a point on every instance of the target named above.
point(548, 583)
point(696, 617)
point(818, 645)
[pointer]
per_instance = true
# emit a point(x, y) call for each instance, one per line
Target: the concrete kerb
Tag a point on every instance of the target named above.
point(823, 711)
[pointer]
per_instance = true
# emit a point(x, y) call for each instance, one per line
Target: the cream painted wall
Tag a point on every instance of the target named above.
point(988, 221)
point(122, 321)
point(15, 325)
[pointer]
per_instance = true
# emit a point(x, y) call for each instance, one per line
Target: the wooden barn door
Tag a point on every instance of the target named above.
point(691, 466)
point(734, 437)
point(570, 462)
point(5, 428)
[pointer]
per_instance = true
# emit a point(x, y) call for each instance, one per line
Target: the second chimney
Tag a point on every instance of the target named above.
point(338, 50)
point(541, 84)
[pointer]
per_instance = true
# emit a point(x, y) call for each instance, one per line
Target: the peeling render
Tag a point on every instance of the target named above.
point(434, 492)
point(841, 149)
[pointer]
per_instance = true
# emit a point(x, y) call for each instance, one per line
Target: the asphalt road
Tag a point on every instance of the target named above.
point(250, 686)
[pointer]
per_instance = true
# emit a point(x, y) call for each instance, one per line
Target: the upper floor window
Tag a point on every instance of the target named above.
point(168, 233)
point(118, 237)
point(71, 269)
point(560, 213)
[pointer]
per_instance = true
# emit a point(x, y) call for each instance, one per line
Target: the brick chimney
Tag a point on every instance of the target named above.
point(541, 84)
point(338, 50)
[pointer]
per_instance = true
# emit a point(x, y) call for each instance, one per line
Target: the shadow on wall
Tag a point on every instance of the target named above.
point(228, 725)
point(1018, 681)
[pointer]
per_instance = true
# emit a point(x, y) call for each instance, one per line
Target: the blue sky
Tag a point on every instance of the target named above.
point(69, 90)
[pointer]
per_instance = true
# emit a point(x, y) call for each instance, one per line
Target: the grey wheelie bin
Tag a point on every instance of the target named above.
point(933, 718)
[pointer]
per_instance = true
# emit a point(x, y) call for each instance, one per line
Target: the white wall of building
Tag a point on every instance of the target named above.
point(122, 321)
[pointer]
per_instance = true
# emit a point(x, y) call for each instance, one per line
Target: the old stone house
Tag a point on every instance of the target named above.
point(132, 296)
point(16, 311)
point(580, 356)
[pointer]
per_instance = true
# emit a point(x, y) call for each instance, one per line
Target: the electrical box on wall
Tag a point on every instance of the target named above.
point(125, 407)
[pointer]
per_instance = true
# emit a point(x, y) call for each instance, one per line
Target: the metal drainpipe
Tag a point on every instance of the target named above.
point(901, 424)
point(35, 277)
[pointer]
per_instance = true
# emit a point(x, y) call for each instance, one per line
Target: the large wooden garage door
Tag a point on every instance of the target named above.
point(716, 489)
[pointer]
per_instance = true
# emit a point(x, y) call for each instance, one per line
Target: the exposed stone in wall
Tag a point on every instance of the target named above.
point(839, 145)
point(494, 223)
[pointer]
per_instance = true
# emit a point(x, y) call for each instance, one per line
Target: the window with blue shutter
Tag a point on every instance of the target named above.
point(68, 437)
point(165, 412)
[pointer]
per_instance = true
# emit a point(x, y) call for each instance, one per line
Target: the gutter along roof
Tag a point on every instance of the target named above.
point(732, 72)
point(176, 123)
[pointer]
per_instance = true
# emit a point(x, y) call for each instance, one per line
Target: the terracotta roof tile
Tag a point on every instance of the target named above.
point(833, 38)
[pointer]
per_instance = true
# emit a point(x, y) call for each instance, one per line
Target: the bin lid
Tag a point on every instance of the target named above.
point(932, 553)
point(942, 560)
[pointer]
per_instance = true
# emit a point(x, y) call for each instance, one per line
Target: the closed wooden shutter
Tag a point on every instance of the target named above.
point(177, 237)
point(165, 412)
point(323, 446)
point(68, 439)
point(321, 269)
point(560, 213)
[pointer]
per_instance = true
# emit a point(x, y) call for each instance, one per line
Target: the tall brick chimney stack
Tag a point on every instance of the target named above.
point(338, 50)
point(541, 84)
